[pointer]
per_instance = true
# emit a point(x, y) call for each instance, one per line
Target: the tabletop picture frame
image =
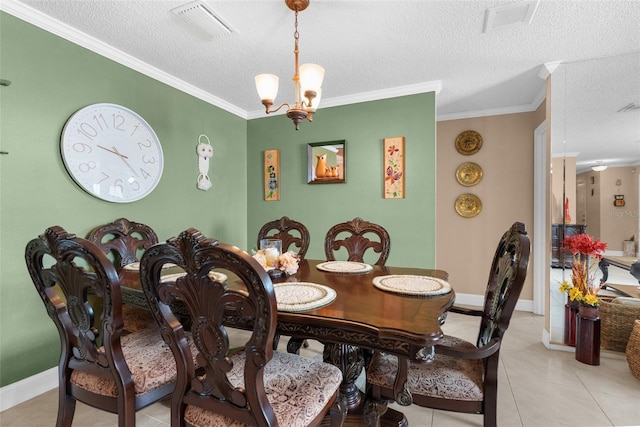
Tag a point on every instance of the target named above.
point(326, 162)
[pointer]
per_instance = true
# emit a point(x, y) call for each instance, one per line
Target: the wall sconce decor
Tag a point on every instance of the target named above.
point(618, 200)
point(307, 80)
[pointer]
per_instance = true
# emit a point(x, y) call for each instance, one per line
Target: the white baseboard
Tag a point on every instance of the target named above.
point(478, 300)
point(28, 388)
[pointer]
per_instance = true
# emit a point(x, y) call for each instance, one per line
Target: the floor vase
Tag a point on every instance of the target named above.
point(588, 335)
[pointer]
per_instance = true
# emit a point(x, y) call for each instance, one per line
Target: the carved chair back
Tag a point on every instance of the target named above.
point(292, 233)
point(354, 236)
point(209, 303)
point(123, 240)
point(461, 376)
point(240, 383)
point(79, 287)
point(506, 279)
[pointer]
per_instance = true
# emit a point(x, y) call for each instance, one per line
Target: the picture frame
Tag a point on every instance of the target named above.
point(326, 162)
point(272, 175)
point(393, 172)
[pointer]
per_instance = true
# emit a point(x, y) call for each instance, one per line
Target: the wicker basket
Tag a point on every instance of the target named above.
point(633, 350)
point(616, 324)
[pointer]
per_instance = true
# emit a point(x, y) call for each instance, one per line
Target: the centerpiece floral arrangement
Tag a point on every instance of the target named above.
point(587, 253)
point(287, 262)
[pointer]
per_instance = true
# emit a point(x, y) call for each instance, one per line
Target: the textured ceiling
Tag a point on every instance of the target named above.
point(370, 50)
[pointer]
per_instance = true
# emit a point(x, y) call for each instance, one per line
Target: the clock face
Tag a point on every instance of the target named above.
point(112, 153)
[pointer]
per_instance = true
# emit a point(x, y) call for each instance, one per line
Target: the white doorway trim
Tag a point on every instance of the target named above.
point(540, 226)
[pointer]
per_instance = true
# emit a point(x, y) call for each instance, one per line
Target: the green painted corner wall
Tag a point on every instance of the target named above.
point(51, 79)
point(409, 221)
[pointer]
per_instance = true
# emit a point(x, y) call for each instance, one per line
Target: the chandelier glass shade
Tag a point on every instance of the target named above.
point(307, 80)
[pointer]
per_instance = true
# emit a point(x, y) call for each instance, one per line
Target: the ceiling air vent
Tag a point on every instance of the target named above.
point(511, 15)
point(201, 16)
point(629, 107)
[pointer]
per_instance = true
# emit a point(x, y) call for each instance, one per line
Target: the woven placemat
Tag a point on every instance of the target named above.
point(348, 267)
point(301, 296)
point(412, 285)
point(218, 277)
point(135, 266)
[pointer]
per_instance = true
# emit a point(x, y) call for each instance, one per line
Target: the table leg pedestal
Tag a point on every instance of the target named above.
point(350, 360)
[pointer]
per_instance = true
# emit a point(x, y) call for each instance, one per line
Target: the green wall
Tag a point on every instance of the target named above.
point(52, 78)
point(409, 221)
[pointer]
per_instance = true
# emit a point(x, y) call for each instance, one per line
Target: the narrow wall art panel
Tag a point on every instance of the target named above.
point(394, 168)
point(272, 175)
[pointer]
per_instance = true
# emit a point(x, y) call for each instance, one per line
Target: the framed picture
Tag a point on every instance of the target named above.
point(272, 175)
point(393, 173)
point(326, 162)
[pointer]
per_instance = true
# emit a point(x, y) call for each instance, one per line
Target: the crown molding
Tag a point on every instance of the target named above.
point(60, 29)
point(376, 95)
point(45, 22)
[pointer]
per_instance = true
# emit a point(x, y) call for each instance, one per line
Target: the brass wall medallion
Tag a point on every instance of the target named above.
point(468, 142)
point(469, 174)
point(468, 205)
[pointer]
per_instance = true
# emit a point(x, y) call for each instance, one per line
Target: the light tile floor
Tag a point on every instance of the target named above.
point(537, 387)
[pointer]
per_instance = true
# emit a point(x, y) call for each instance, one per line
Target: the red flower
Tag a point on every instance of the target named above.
point(392, 150)
point(585, 245)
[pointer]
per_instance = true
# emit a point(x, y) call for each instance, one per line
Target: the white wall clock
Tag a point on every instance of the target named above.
point(112, 153)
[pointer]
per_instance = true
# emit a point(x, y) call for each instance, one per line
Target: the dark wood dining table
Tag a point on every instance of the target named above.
point(361, 317)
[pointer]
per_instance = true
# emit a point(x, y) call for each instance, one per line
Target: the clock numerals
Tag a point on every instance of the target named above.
point(112, 153)
point(81, 147)
point(144, 173)
point(118, 122)
point(103, 179)
point(87, 167)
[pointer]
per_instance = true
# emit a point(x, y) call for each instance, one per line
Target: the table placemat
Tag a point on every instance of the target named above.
point(301, 296)
point(412, 285)
point(219, 277)
point(135, 266)
point(348, 267)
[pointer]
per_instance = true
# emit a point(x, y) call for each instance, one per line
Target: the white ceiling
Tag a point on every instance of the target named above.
point(370, 50)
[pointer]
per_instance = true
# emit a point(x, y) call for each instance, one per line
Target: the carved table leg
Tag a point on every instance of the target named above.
point(350, 360)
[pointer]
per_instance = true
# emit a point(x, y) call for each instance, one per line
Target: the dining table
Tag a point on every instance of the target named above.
point(363, 308)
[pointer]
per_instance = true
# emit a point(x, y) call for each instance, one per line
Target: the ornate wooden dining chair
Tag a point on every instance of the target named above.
point(292, 233)
point(354, 236)
point(254, 386)
point(99, 365)
point(462, 377)
point(124, 241)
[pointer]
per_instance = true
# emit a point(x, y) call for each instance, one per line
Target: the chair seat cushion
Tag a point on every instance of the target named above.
point(297, 388)
point(137, 318)
point(149, 359)
point(446, 377)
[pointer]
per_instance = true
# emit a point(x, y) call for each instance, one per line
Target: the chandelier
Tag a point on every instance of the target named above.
point(307, 80)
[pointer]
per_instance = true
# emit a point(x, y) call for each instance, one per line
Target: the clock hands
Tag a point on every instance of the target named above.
point(122, 156)
point(114, 152)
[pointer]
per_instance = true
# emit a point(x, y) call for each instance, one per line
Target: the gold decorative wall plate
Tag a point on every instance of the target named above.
point(468, 205)
point(469, 174)
point(468, 142)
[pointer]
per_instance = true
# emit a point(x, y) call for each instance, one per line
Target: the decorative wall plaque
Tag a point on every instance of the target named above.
point(469, 174)
point(468, 142)
point(468, 205)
